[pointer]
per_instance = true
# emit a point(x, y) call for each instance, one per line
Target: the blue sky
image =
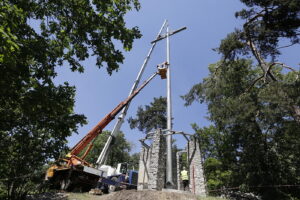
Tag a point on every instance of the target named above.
point(207, 22)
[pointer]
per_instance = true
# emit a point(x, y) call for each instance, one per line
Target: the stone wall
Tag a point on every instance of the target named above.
point(143, 174)
point(152, 164)
point(157, 168)
point(197, 182)
point(179, 183)
point(174, 168)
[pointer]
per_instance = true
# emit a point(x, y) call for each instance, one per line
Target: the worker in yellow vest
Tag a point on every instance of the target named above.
point(184, 178)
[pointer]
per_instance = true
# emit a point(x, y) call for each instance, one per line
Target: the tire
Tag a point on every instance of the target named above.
point(65, 184)
point(113, 188)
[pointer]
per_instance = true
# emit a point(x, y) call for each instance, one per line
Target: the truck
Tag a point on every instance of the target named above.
point(73, 171)
point(118, 178)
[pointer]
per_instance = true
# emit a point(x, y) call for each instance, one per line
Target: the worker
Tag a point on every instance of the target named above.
point(184, 179)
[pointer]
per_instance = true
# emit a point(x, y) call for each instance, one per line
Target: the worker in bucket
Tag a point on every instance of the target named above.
point(184, 179)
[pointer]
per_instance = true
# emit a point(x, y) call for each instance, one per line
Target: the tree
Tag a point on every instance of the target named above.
point(134, 161)
point(119, 151)
point(151, 117)
point(254, 103)
point(216, 176)
point(36, 115)
point(68, 31)
point(267, 24)
point(210, 141)
point(256, 138)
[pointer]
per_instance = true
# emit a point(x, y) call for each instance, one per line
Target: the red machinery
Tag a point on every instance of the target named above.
point(63, 173)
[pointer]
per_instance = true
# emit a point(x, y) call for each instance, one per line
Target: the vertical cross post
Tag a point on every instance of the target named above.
point(169, 167)
point(169, 182)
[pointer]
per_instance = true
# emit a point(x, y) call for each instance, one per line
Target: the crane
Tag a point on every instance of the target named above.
point(62, 173)
point(103, 155)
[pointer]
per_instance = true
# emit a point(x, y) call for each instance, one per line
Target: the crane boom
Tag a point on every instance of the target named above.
point(103, 155)
point(106, 120)
point(60, 174)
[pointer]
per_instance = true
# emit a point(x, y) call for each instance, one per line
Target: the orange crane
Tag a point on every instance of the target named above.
point(61, 172)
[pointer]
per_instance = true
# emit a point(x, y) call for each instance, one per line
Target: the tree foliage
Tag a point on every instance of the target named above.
point(151, 117)
point(256, 137)
point(254, 103)
point(216, 176)
point(119, 150)
point(210, 141)
point(51, 32)
point(268, 24)
point(36, 115)
point(134, 161)
point(270, 20)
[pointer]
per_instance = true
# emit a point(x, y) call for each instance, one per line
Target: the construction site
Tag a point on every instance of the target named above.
point(159, 165)
point(136, 99)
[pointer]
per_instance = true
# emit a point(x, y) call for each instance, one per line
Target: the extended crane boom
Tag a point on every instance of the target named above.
point(106, 120)
point(104, 153)
point(75, 167)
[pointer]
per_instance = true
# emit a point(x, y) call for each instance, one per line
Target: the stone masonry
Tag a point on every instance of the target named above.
point(152, 164)
point(178, 170)
point(143, 174)
point(157, 166)
point(174, 168)
point(197, 182)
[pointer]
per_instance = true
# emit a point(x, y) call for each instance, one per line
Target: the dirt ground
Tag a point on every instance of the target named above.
point(122, 195)
point(147, 195)
point(136, 195)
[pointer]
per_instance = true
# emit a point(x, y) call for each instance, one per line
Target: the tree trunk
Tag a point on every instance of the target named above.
point(268, 74)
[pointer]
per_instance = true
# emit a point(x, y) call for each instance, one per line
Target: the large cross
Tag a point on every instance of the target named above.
point(169, 170)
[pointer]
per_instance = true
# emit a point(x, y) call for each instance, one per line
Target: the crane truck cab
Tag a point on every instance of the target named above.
point(117, 178)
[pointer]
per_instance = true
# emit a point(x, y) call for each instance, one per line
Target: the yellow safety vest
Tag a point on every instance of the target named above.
point(184, 175)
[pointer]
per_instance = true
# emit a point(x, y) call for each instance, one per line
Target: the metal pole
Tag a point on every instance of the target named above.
point(102, 157)
point(169, 119)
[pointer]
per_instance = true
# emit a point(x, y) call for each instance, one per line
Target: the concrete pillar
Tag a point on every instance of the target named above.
point(197, 181)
